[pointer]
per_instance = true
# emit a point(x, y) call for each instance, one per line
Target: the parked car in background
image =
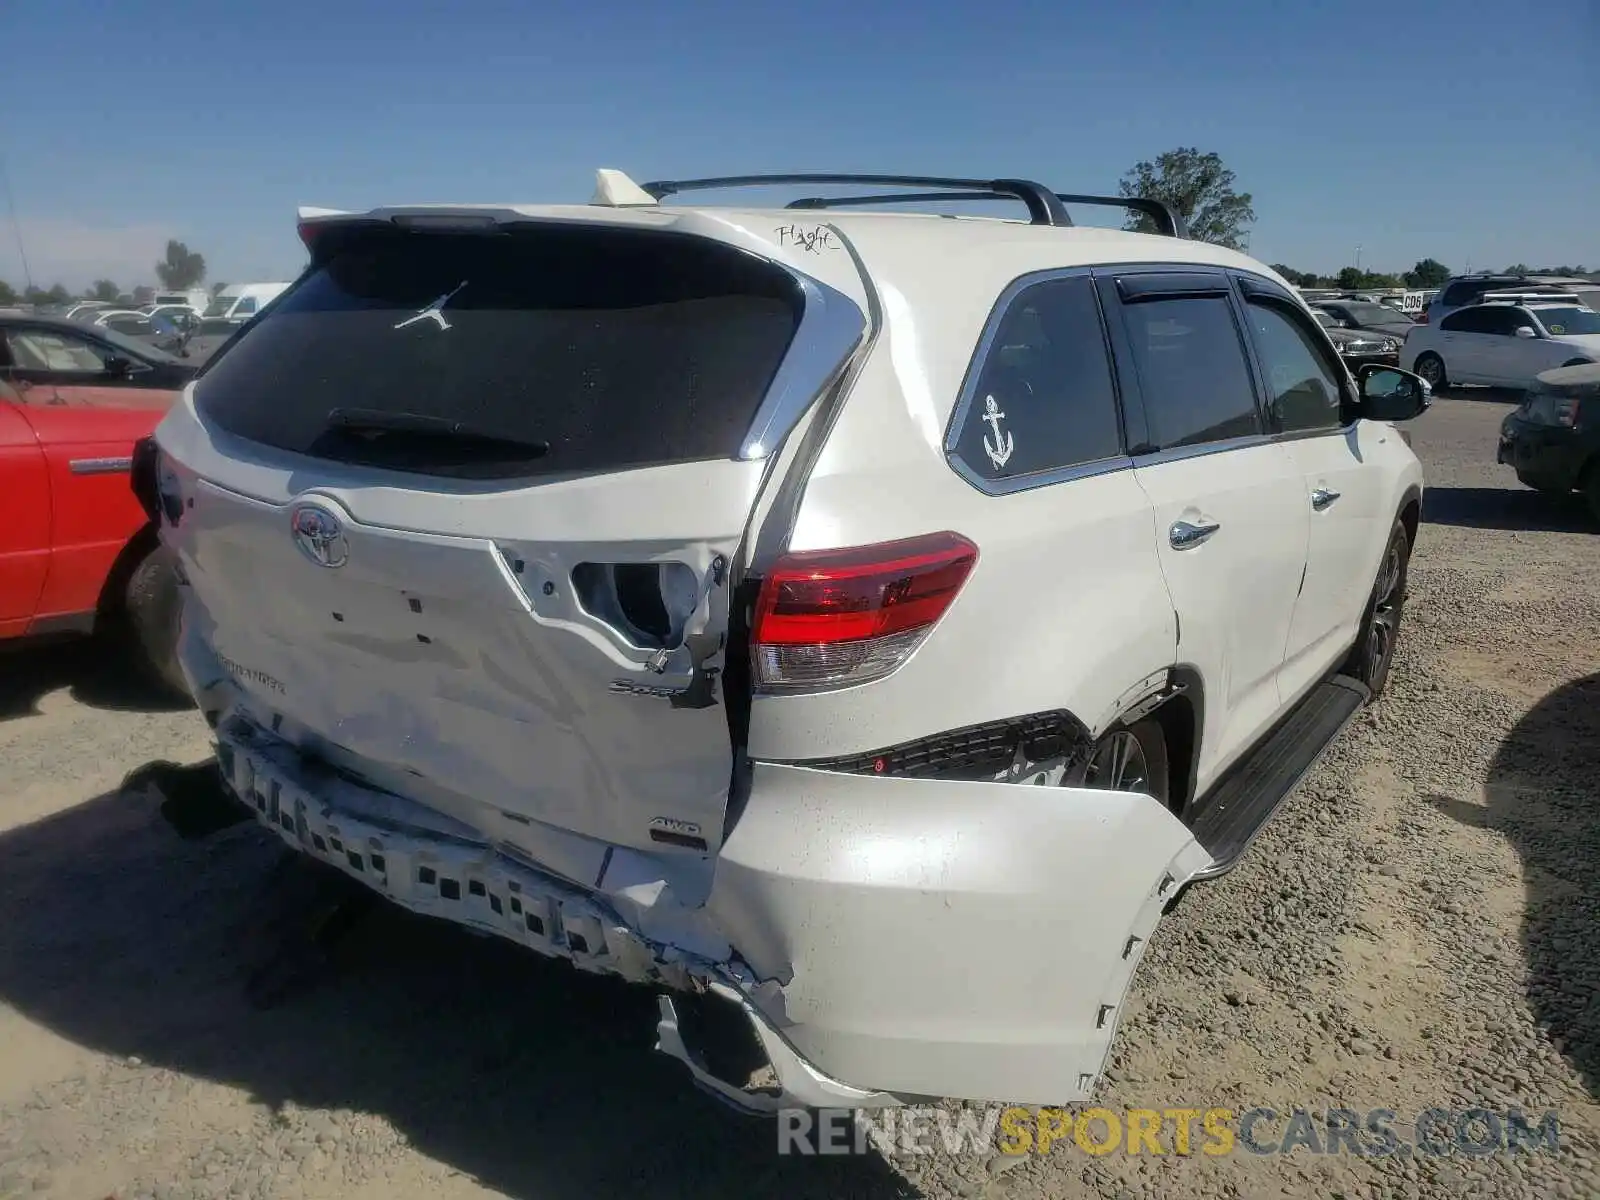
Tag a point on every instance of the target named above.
point(1461, 290)
point(130, 323)
point(82, 310)
point(160, 329)
point(196, 299)
point(77, 554)
point(1367, 316)
point(1504, 340)
point(180, 315)
point(1358, 346)
point(782, 609)
point(196, 345)
point(1408, 302)
point(1552, 439)
point(239, 301)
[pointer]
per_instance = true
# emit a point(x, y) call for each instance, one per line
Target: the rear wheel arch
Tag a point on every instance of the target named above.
point(1410, 512)
point(112, 602)
point(137, 608)
point(1181, 715)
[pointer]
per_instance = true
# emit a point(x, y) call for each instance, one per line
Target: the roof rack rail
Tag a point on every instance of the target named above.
point(1167, 218)
point(893, 198)
point(1524, 297)
point(1043, 206)
point(1169, 222)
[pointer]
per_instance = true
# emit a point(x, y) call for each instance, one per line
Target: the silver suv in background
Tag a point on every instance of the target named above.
point(1462, 290)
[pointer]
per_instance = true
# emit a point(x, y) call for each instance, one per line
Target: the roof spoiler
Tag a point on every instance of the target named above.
point(1045, 207)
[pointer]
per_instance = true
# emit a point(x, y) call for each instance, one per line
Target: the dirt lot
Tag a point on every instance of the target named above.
point(1419, 927)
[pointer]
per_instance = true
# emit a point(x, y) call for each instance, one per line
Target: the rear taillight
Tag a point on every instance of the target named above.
point(1567, 412)
point(831, 618)
point(1422, 317)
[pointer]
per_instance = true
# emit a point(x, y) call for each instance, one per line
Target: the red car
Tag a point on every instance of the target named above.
point(77, 554)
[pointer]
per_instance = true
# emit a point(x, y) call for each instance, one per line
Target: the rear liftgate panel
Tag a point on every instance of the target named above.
point(459, 514)
point(572, 684)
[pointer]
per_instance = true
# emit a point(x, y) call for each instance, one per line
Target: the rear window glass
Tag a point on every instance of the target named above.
point(613, 348)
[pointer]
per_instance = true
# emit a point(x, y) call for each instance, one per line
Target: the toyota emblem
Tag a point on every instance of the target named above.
point(318, 534)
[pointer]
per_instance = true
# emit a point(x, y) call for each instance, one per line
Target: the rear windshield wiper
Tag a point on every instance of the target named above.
point(425, 428)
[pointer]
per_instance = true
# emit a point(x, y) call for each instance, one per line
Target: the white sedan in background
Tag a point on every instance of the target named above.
point(1503, 344)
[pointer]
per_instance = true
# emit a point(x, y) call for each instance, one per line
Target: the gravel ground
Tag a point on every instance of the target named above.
point(1416, 929)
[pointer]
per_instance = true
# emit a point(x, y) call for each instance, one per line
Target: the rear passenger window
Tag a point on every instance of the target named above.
point(1192, 370)
point(1044, 398)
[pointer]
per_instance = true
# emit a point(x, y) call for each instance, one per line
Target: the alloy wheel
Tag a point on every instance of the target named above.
point(1385, 623)
point(1118, 764)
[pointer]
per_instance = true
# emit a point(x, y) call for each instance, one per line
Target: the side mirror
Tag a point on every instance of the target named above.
point(1527, 331)
point(1390, 394)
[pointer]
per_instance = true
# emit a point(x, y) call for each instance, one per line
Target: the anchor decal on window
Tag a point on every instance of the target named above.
point(999, 450)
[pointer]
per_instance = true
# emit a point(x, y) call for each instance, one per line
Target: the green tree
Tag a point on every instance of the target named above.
point(103, 289)
point(8, 294)
point(1357, 280)
point(1519, 269)
point(216, 289)
point(1303, 279)
point(1199, 188)
point(181, 268)
point(1428, 273)
point(56, 294)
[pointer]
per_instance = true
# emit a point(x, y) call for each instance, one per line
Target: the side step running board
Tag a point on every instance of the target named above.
point(1242, 804)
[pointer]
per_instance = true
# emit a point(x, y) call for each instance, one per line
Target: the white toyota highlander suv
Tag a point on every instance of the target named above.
point(859, 625)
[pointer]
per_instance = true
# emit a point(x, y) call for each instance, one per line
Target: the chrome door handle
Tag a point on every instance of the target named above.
point(1185, 535)
point(1322, 497)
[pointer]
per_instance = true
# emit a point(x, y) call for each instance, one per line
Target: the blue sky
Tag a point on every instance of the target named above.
point(1465, 131)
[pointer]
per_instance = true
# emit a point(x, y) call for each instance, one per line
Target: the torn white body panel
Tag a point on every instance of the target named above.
point(886, 937)
point(963, 939)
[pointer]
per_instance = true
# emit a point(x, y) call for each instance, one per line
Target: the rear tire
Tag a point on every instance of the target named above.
point(1431, 367)
point(1373, 653)
point(153, 608)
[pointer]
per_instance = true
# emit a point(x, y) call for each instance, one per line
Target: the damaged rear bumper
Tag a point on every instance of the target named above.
point(881, 939)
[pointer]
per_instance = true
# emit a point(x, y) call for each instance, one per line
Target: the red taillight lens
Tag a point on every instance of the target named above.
point(1567, 412)
point(826, 618)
